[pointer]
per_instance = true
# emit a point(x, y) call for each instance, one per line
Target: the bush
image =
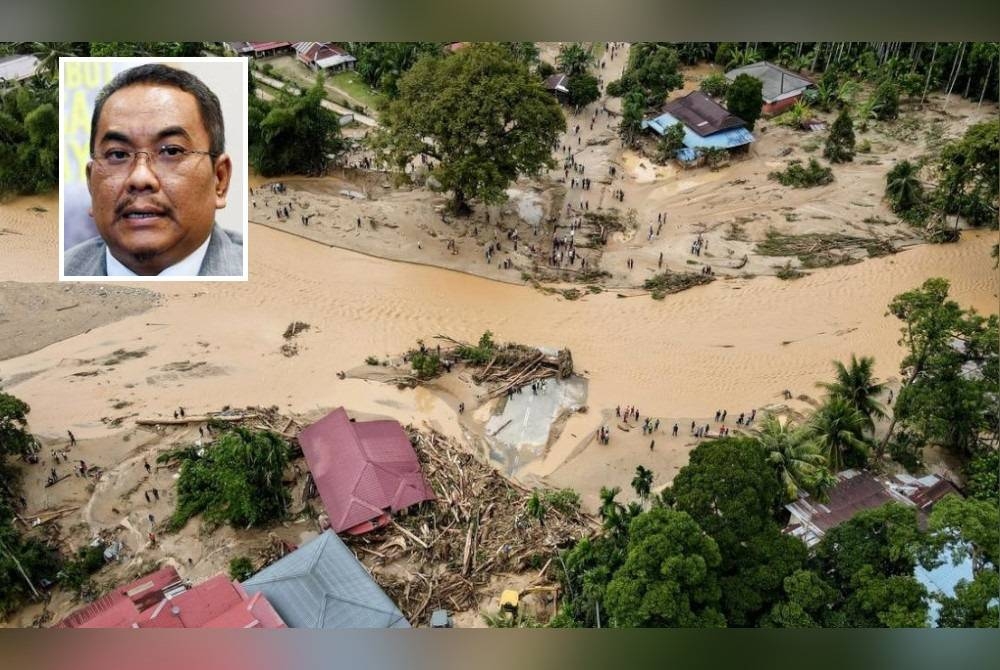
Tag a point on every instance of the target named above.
point(76, 572)
point(616, 88)
point(545, 69)
point(715, 85)
point(372, 360)
point(237, 480)
point(425, 365)
point(241, 569)
point(565, 501)
point(799, 176)
point(481, 354)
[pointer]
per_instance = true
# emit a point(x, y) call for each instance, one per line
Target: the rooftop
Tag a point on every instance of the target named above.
point(778, 83)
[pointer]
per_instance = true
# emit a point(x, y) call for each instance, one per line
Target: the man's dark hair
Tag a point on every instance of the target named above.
point(162, 75)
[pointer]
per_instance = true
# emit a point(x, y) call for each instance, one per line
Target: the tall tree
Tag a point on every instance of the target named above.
point(480, 116)
point(574, 58)
point(839, 147)
point(839, 428)
point(669, 578)
point(856, 384)
point(642, 483)
point(295, 134)
point(794, 455)
point(905, 192)
point(744, 99)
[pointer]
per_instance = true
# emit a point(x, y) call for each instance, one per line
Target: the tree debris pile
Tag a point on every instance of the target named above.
point(818, 250)
point(674, 282)
point(497, 366)
point(445, 553)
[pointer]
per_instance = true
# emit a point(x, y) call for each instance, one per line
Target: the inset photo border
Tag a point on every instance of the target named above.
point(130, 217)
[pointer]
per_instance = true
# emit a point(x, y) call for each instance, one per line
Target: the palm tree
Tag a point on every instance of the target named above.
point(612, 512)
point(536, 507)
point(903, 187)
point(857, 385)
point(837, 427)
point(793, 453)
point(48, 54)
point(642, 482)
point(574, 58)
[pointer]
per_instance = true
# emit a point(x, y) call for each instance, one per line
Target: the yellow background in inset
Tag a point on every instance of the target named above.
point(82, 82)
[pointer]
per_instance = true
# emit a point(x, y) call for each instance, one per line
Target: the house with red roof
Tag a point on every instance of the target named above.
point(364, 471)
point(258, 49)
point(323, 56)
point(163, 600)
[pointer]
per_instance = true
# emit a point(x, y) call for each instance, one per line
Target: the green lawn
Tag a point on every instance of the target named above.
point(351, 83)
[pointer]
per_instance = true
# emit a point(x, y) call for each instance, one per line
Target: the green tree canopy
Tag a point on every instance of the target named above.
point(968, 175)
point(295, 134)
point(583, 89)
point(381, 64)
point(905, 192)
point(838, 428)
point(480, 115)
point(671, 142)
point(744, 99)
point(29, 139)
point(669, 578)
point(856, 383)
point(574, 58)
point(238, 480)
point(793, 453)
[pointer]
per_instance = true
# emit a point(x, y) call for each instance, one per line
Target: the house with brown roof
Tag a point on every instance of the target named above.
point(857, 491)
point(258, 49)
point(707, 124)
point(323, 56)
point(364, 471)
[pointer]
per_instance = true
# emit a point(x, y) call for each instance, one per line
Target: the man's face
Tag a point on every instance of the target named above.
point(152, 217)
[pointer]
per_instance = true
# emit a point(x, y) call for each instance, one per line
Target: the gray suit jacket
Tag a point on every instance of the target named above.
point(223, 258)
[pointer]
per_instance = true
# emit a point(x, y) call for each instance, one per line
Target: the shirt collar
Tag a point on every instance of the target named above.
point(189, 267)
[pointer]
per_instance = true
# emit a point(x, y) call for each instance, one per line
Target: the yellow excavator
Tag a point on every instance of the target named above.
point(510, 599)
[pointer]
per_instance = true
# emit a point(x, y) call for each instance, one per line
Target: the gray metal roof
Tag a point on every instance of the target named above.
point(777, 82)
point(322, 585)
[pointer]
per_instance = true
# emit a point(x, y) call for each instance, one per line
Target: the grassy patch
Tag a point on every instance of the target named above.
point(572, 293)
point(352, 84)
point(735, 232)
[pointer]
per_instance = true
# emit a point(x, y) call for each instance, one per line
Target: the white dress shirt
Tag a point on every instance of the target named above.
point(189, 267)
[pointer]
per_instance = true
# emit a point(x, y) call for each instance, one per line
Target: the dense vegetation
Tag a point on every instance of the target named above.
point(708, 550)
point(479, 116)
point(237, 480)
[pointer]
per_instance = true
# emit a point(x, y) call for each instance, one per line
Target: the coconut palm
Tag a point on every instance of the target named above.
point(857, 385)
point(642, 482)
point(793, 453)
point(837, 427)
point(611, 511)
point(903, 187)
point(574, 58)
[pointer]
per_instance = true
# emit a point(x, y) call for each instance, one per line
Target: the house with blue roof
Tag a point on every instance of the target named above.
point(707, 124)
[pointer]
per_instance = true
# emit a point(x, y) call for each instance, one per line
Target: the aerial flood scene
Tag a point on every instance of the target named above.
point(567, 334)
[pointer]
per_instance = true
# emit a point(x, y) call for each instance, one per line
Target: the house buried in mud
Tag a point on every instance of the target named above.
point(364, 471)
point(707, 125)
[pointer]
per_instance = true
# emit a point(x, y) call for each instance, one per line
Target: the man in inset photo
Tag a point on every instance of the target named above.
point(157, 174)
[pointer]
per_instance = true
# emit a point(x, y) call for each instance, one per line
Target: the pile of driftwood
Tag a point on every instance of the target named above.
point(515, 365)
point(444, 553)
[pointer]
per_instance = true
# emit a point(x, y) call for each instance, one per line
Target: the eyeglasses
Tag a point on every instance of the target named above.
point(169, 158)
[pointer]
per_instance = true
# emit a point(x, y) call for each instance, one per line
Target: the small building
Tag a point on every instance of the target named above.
point(707, 124)
point(364, 471)
point(324, 56)
point(557, 84)
point(780, 88)
point(258, 49)
point(17, 68)
point(323, 585)
point(857, 491)
point(163, 600)
point(455, 47)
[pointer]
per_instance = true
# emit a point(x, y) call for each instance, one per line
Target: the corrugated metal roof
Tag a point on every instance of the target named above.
point(362, 470)
point(703, 115)
point(777, 83)
point(16, 68)
point(322, 585)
